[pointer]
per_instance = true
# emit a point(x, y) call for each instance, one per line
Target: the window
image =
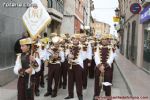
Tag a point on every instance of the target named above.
point(146, 54)
point(77, 4)
point(133, 49)
point(127, 46)
point(49, 3)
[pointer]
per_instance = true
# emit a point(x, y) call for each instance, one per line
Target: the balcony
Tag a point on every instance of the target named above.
point(56, 8)
point(145, 2)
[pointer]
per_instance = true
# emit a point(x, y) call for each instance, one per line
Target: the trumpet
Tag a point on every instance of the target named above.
point(71, 59)
point(71, 62)
point(54, 56)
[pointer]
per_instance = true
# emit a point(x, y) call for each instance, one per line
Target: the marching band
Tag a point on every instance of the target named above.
point(69, 60)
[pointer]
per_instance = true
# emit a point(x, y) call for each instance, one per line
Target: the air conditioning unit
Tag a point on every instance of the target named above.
point(145, 2)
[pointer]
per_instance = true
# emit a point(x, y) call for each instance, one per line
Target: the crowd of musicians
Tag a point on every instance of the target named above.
point(71, 60)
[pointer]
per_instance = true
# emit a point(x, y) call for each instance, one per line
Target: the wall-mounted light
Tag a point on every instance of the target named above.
point(117, 11)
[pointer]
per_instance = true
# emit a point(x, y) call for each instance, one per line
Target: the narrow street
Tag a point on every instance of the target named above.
point(118, 89)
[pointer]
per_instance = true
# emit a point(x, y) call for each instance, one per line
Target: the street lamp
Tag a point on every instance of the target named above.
point(117, 11)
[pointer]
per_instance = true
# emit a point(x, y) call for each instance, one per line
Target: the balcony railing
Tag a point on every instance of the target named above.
point(56, 4)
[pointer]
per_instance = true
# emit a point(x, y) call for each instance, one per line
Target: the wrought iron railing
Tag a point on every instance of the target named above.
point(56, 4)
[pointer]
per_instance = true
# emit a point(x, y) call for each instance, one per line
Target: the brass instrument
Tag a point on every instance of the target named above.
point(75, 54)
point(71, 59)
point(54, 55)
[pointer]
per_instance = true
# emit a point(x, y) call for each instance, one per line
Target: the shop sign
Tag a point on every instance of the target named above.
point(145, 15)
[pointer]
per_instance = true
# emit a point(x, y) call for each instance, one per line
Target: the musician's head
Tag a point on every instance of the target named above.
point(34, 5)
point(56, 45)
point(75, 39)
point(26, 44)
point(83, 37)
point(63, 38)
point(56, 41)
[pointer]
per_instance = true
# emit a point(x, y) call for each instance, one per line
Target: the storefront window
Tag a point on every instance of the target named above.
point(133, 43)
point(127, 47)
point(147, 50)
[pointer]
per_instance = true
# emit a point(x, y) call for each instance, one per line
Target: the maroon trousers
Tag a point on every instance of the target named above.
point(23, 93)
point(37, 81)
point(63, 73)
point(53, 73)
point(85, 73)
point(75, 76)
point(107, 78)
point(42, 73)
point(91, 69)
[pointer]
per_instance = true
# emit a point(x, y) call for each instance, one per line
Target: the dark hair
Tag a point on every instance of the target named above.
point(25, 34)
point(45, 34)
point(29, 46)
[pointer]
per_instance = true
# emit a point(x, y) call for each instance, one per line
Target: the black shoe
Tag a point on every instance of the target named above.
point(68, 97)
point(42, 85)
point(47, 94)
point(54, 95)
point(64, 87)
point(84, 87)
point(59, 86)
point(37, 93)
point(80, 97)
point(91, 77)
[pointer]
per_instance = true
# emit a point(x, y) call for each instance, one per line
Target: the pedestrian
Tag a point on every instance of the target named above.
point(75, 60)
point(104, 57)
point(25, 68)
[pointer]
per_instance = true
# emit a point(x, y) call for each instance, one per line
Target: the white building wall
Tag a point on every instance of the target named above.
point(68, 18)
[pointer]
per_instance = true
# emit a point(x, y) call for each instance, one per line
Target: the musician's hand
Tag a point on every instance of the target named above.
point(46, 64)
point(29, 71)
point(102, 68)
point(56, 56)
point(89, 64)
point(32, 58)
point(71, 56)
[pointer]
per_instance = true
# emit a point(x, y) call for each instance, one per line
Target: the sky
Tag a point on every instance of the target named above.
point(104, 11)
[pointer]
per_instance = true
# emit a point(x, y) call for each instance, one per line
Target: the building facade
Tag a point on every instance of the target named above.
point(11, 28)
point(73, 16)
point(145, 21)
point(77, 15)
point(55, 9)
point(101, 27)
point(134, 33)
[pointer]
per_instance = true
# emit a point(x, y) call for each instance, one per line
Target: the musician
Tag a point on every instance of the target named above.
point(93, 42)
point(104, 57)
point(25, 67)
point(37, 72)
point(45, 41)
point(75, 60)
point(87, 52)
point(56, 57)
point(43, 46)
point(64, 65)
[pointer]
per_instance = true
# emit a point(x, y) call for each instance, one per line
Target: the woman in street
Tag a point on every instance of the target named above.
point(25, 68)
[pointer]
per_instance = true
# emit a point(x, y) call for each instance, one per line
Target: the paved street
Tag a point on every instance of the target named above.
point(118, 89)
